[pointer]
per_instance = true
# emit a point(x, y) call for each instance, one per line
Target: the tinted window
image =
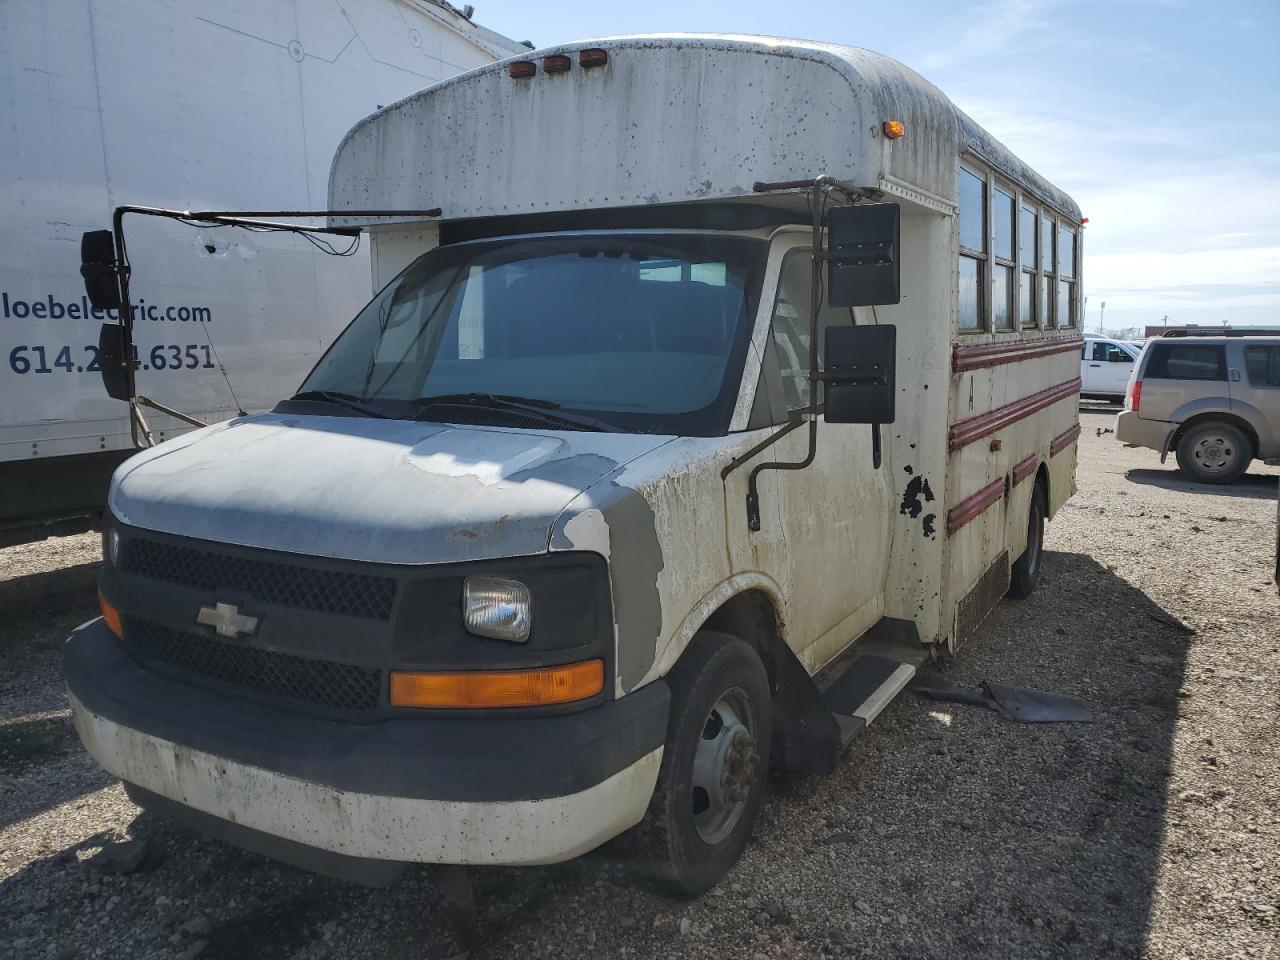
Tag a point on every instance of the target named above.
point(970, 315)
point(973, 211)
point(1002, 297)
point(1027, 237)
point(1103, 350)
point(645, 333)
point(1065, 315)
point(1263, 366)
point(1186, 361)
point(1066, 252)
point(1002, 215)
point(790, 325)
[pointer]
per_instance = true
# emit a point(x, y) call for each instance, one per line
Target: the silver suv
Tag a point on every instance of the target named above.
point(1214, 401)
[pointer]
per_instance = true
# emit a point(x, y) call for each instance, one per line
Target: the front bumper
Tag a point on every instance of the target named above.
point(1133, 431)
point(422, 788)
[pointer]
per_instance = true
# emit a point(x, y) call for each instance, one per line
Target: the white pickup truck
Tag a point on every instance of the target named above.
point(664, 455)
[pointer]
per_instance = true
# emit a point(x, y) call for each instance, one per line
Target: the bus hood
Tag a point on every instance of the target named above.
point(386, 491)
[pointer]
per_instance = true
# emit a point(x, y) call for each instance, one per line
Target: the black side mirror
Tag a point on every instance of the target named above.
point(864, 255)
point(115, 362)
point(100, 269)
point(859, 374)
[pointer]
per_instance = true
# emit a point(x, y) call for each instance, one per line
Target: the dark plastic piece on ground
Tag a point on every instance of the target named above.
point(1014, 703)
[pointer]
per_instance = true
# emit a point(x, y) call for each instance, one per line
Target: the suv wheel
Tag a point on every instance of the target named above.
point(1214, 452)
point(713, 766)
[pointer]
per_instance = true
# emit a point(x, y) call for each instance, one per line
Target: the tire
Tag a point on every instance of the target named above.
point(1026, 569)
point(1214, 452)
point(719, 730)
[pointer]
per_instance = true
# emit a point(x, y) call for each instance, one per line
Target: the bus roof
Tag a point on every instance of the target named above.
point(670, 118)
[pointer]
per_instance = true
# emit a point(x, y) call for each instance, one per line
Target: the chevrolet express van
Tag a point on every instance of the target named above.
point(703, 412)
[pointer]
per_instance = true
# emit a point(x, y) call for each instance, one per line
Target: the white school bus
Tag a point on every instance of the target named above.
point(735, 376)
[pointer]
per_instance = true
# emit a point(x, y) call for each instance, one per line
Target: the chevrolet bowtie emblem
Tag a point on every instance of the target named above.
point(227, 620)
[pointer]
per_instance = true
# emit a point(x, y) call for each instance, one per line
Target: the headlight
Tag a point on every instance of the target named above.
point(496, 608)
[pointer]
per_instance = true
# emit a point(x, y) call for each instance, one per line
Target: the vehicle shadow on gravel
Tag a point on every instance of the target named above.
point(946, 832)
point(1256, 486)
point(17, 594)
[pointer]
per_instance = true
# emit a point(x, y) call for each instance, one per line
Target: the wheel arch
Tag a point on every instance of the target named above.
point(748, 606)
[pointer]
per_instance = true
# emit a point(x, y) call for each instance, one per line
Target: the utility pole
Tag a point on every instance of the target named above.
point(1101, 314)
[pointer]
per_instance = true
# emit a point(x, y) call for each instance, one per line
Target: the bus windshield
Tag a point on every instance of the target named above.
point(632, 332)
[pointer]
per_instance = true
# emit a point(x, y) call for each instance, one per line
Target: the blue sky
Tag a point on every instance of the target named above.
point(1161, 117)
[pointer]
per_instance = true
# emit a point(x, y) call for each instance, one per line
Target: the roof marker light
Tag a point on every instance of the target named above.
point(556, 63)
point(593, 57)
point(521, 69)
point(894, 129)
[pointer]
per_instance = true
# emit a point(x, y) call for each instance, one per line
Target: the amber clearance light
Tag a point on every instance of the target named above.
point(110, 615)
point(498, 688)
point(894, 129)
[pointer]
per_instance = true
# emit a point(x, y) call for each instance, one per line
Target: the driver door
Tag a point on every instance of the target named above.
point(824, 530)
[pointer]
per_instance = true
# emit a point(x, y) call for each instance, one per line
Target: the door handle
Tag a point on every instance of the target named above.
point(1095, 364)
point(1234, 374)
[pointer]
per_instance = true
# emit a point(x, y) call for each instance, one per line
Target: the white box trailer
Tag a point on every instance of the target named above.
point(183, 105)
point(737, 376)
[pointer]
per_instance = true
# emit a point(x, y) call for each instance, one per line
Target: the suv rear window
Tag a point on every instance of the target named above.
point(1186, 361)
point(1263, 365)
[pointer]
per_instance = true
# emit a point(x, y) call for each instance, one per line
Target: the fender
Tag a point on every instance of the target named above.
point(713, 600)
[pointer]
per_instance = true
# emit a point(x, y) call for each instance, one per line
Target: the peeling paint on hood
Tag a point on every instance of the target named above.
point(386, 491)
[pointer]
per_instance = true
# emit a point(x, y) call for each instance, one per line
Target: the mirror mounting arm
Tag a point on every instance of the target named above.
point(819, 185)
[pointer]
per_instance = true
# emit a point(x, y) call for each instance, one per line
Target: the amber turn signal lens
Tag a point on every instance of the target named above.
point(556, 63)
point(521, 69)
point(111, 615)
point(593, 57)
point(894, 129)
point(498, 688)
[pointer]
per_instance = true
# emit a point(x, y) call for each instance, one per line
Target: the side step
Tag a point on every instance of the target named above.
point(856, 689)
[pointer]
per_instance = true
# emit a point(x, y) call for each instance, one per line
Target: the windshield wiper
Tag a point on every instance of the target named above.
point(345, 400)
point(535, 408)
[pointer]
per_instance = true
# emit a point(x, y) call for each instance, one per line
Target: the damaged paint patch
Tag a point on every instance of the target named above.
point(928, 525)
point(486, 457)
point(620, 526)
point(585, 531)
point(634, 565)
point(915, 496)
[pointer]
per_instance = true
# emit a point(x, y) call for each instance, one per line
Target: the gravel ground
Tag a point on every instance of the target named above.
point(947, 832)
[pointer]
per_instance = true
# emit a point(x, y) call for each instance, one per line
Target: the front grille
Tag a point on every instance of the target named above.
point(338, 685)
point(268, 581)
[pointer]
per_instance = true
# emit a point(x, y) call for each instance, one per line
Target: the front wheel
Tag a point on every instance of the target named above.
point(1214, 452)
point(1026, 569)
point(711, 781)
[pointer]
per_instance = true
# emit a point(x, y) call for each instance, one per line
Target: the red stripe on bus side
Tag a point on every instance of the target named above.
point(979, 355)
point(965, 432)
point(1063, 440)
point(1025, 468)
point(973, 505)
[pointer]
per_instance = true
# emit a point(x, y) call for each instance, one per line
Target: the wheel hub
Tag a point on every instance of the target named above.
point(725, 767)
point(1214, 453)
